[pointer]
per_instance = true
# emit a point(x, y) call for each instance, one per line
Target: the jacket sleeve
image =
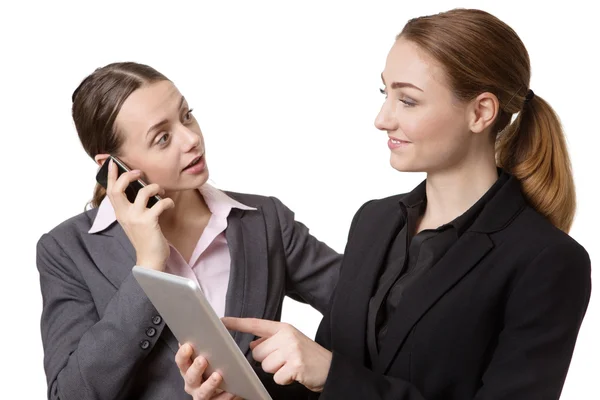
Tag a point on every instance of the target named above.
point(88, 356)
point(323, 336)
point(542, 319)
point(312, 266)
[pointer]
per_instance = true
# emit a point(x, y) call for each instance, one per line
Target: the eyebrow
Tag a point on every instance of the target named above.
point(399, 85)
point(164, 121)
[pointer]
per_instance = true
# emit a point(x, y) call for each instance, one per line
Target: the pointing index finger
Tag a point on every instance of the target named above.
point(255, 326)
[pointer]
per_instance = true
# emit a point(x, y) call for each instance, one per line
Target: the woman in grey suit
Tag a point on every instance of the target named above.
point(102, 337)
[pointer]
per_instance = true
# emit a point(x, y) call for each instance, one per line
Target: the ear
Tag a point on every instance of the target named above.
point(483, 112)
point(100, 158)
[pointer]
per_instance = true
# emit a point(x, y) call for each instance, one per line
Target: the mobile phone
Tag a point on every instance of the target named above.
point(132, 189)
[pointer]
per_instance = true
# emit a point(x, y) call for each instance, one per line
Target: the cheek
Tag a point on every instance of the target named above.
point(433, 130)
point(438, 139)
point(161, 170)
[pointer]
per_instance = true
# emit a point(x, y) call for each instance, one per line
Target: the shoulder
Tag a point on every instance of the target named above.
point(538, 253)
point(68, 231)
point(252, 200)
point(269, 206)
point(378, 208)
point(533, 231)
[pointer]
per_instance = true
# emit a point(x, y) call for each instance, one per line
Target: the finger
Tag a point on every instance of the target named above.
point(272, 344)
point(284, 376)
point(161, 206)
point(183, 358)
point(193, 376)
point(116, 189)
point(209, 388)
point(256, 342)
point(226, 396)
point(111, 179)
point(124, 180)
point(258, 327)
point(141, 199)
point(112, 174)
point(273, 362)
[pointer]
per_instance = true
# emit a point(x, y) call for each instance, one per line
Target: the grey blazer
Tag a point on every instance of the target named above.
point(102, 337)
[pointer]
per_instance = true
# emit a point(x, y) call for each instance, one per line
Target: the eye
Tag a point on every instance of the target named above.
point(163, 139)
point(382, 91)
point(188, 115)
point(408, 102)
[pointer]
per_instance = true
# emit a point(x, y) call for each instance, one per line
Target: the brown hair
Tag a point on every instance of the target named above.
point(98, 100)
point(480, 53)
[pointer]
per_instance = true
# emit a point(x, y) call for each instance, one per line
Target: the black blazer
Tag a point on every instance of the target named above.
point(496, 318)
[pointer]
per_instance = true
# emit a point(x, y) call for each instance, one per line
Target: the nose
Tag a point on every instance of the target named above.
point(386, 119)
point(190, 139)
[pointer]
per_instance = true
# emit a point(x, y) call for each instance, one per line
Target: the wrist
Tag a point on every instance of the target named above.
point(150, 264)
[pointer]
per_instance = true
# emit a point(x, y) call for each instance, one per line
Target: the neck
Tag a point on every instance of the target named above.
point(189, 207)
point(451, 192)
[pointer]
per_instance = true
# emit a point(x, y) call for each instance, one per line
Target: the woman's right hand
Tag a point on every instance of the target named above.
point(192, 371)
point(139, 222)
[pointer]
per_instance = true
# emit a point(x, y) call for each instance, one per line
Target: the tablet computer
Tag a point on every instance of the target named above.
point(191, 318)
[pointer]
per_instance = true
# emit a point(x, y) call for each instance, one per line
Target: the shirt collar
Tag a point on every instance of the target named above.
point(218, 202)
point(418, 198)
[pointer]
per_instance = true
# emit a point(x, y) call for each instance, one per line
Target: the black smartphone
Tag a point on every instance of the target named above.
point(131, 190)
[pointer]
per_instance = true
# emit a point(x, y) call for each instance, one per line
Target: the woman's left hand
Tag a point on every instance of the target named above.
point(285, 352)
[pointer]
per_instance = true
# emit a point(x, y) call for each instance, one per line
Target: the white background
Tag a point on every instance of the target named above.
point(286, 94)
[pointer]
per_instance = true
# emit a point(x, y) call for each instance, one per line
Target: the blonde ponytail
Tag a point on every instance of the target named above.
point(533, 149)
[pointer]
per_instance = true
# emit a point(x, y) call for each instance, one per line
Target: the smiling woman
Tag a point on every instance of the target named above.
point(469, 286)
point(102, 337)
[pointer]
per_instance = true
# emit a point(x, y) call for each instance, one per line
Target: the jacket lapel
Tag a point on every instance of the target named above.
point(112, 253)
point(426, 291)
point(460, 259)
point(247, 291)
point(362, 261)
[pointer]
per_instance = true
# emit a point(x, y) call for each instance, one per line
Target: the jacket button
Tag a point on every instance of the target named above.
point(144, 344)
point(150, 332)
point(156, 320)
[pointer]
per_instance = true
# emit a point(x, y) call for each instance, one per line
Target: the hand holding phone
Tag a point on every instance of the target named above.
point(132, 189)
point(139, 221)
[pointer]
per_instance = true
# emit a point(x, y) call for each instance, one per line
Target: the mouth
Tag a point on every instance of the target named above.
point(398, 141)
point(194, 162)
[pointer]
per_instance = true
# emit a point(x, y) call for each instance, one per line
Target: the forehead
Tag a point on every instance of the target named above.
point(148, 105)
point(406, 62)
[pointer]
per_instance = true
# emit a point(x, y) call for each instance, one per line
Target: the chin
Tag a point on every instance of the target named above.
point(192, 182)
point(200, 180)
point(402, 164)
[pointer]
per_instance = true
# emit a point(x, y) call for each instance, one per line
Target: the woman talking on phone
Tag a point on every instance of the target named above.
point(469, 286)
point(102, 337)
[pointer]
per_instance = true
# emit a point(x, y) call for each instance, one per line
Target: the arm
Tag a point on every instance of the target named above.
point(542, 320)
point(312, 266)
point(323, 335)
point(85, 356)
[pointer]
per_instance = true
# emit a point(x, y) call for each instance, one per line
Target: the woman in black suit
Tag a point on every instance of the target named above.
point(468, 287)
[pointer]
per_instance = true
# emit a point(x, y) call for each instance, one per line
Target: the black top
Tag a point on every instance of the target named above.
point(496, 317)
point(403, 267)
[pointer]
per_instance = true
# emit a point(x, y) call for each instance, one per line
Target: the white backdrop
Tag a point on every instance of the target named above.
point(286, 94)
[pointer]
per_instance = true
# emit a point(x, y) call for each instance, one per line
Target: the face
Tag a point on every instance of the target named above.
point(162, 138)
point(428, 128)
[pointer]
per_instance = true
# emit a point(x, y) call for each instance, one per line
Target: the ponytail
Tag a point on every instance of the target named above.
point(99, 195)
point(533, 149)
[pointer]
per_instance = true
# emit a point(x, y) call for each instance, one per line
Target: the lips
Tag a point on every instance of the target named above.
point(398, 141)
point(193, 162)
